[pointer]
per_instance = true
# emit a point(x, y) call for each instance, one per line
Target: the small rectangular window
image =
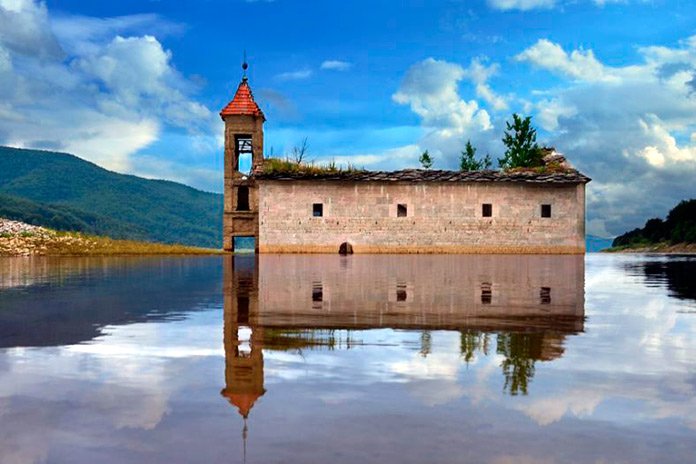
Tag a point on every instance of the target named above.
point(545, 295)
point(317, 292)
point(486, 293)
point(487, 210)
point(401, 211)
point(546, 211)
point(318, 210)
point(401, 293)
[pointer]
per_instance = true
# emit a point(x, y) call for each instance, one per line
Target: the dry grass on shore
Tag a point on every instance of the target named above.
point(51, 243)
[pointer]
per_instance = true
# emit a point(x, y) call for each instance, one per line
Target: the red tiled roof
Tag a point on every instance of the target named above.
point(243, 401)
point(243, 103)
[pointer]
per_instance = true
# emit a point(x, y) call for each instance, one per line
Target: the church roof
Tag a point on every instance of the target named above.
point(421, 175)
point(243, 103)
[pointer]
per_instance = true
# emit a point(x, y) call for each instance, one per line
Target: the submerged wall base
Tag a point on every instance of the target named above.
point(430, 249)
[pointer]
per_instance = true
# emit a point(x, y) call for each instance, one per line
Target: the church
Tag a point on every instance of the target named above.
point(406, 211)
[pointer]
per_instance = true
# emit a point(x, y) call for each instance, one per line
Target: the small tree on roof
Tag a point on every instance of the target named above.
point(520, 140)
point(468, 161)
point(426, 160)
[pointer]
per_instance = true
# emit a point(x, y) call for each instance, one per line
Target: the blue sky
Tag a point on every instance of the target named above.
point(136, 86)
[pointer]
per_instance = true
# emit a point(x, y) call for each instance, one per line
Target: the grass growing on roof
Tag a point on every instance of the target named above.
point(286, 166)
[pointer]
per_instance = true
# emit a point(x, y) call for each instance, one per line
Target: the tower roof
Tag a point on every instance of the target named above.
point(243, 401)
point(243, 103)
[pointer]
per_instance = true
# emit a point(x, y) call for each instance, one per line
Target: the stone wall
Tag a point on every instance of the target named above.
point(441, 217)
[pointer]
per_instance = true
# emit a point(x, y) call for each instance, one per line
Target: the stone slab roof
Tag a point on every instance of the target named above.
point(421, 175)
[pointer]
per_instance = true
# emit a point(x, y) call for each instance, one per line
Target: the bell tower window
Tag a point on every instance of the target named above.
point(244, 153)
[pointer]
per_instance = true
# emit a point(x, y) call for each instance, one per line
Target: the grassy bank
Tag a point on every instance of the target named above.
point(661, 247)
point(46, 242)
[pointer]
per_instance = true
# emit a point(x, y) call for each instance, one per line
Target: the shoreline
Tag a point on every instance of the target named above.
point(658, 249)
point(21, 239)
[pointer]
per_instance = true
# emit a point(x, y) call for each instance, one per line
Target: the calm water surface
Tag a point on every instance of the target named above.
point(371, 359)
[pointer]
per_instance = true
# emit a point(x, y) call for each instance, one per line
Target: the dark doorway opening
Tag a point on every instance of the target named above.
point(345, 249)
point(243, 199)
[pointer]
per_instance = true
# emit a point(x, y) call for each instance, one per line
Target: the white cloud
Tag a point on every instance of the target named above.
point(479, 73)
point(25, 29)
point(89, 90)
point(664, 149)
point(522, 5)
point(336, 65)
point(629, 122)
point(430, 87)
point(551, 110)
point(579, 64)
point(295, 75)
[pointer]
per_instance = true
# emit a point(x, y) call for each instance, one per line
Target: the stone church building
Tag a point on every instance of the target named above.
point(408, 211)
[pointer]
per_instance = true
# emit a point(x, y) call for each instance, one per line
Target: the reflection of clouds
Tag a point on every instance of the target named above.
point(124, 379)
point(638, 347)
point(433, 378)
point(548, 410)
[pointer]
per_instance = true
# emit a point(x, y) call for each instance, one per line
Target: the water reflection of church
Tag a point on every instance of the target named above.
point(291, 302)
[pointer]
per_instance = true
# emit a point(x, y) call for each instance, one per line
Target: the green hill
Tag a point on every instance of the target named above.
point(679, 227)
point(65, 192)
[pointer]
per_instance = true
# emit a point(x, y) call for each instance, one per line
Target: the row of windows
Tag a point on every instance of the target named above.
point(402, 211)
point(402, 293)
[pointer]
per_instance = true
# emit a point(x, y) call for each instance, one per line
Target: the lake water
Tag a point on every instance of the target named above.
point(359, 359)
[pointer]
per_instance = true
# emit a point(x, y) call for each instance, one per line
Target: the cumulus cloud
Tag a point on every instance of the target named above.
point(76, 84)
point(336, 65)
point(479, 73)
point(578, 64)
point(430, 88)
point(631, 128)
point(25, 29)
point(550, 110)
point(628, 127)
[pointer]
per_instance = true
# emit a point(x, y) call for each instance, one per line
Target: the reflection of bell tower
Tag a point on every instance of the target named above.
point(243, 153)
point(243, 342)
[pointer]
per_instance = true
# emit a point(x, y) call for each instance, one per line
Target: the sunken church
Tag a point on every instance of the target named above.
point(407, 211)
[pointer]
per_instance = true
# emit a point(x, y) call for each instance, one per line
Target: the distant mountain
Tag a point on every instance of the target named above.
point(596, 244)
point(65, 192)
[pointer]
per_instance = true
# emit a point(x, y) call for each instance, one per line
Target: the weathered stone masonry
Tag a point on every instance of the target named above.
point(440, 217)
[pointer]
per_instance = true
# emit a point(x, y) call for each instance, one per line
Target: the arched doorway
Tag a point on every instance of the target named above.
point(345, 249)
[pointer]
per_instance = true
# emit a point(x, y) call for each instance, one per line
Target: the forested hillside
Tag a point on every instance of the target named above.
point(679, 227)
point(65, 192)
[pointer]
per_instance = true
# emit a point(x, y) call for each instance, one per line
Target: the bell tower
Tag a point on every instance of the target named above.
point(243, 153)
